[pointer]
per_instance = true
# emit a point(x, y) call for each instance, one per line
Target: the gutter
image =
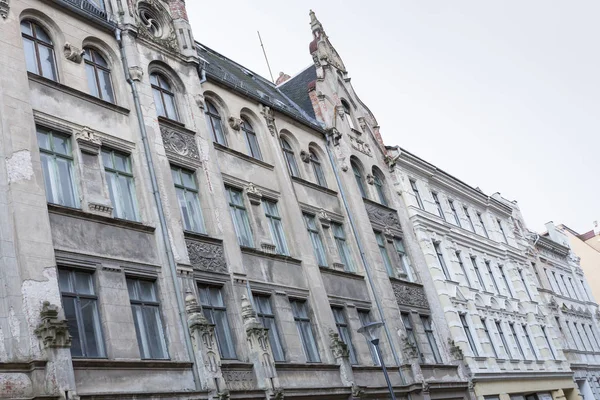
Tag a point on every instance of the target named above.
point(161, 212)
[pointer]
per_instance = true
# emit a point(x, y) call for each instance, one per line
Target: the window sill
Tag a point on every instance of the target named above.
point(352, 275)
point(313, 185)
point(180, 126)
point(93, 363)
point(405, 282)
point(76, 93)
point(514, 361)
point(243, 156)
point(310, 366)
point(203, 237)
point(480, 358)
point(279, 257)
point(77, 213)
point(369, 201)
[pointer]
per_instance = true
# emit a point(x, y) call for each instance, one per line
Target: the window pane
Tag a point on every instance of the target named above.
point(91, 326)
point(146, 290)
point(30, 56)
point(83, 283)
point(27, 28)
point(71, 316)
point(217, 130)
point(90, 71)
point(193, 207)
point(66, 195)
point(160, 108)
point(253, 145)
point(170, 106)
point(60, 145)
point(127, 192)
point(308, 340)
point(41, 34)
point(48, 170)
point(106, 86)
point(64, 281)
point(47, 62)
point(276, 346)
point(154, 332)
point(224, 335)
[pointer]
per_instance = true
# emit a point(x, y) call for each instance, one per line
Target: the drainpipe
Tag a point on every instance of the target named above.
point(161, 212)
point(363, 257)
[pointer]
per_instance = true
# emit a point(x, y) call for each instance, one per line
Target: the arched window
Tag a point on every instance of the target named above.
point(214, 123)
point(39, 50)
point(317, 169)
point(290, 159)
point(348, 114)
point(378, 182)
point(359, 178)
point(251, 139)
point(98, 75)
point(164, 97)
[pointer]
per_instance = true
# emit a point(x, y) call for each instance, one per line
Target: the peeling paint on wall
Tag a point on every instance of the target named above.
point(15, 386)
point(19, 167)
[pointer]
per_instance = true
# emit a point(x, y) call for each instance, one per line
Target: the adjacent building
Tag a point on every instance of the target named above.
point(175, 226)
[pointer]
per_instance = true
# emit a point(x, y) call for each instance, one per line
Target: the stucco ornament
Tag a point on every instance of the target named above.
point(88, 141)
point(154, 24)
point(324, 218)
point(254, 194)
point(338, 347)
point(305, 156)
point(206, 256)
point(136, 73)
point(235, 123)
point(199, 99)
point(52, 330)
point(409, 348)
point(455, 351)
point(180, 144)
point(4, 7)
point(269, 117)
point(73, 53)
point(370, 179)
point(278, 394)
point(203, 333)
point(357, 392)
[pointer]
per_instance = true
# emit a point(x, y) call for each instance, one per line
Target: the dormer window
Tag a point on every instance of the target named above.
point(348, 115)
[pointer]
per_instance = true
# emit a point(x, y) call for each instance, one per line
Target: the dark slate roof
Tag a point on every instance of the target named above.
point(297, 89)
point(229, 73)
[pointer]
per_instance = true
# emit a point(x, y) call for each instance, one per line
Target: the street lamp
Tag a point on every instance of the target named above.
point(370, 331)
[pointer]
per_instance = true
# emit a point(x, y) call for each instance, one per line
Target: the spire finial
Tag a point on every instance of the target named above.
point(315, 24)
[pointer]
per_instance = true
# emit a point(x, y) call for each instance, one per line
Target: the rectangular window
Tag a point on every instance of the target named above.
point(525, 285)
point(572, 336)
point(505, 279)
point(556, 283)
point(583, 346)
point(438, 205)
point(537, 275)
point(315, 239)
point(121, 187)
point(550, 280)
point(466, 210)
point(384, 254)
point(489, 269)
point(239, 214)
point(413, 185)
point(146, 315)
point(300, 312)
point(426, 321)
point(516, 339)
point(264, 312)
point(456, 218)
point(57, 168)
point(404, 260)
point(548, 343)
point(488, 336)
point(503, 339)
point(462, 268)
point(80, 304)
point(189, 201)
point(275, 226)
point(585, 290)
point(502, 231)
point(410, 334)
point(565, 287)
point(529, 342)
point(478, 273)
point(480, 217)
point(594, 336)
point(587, 337)
point(365, 318)
point(213, 307)
point(465, 325)
point(440, 256)
point(573, 287)
point(342, 245)
point(344, 331)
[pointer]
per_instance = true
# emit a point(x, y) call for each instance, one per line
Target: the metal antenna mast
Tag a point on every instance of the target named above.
point(266, 59)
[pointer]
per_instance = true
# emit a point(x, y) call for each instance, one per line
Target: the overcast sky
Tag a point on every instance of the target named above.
point(503, 95)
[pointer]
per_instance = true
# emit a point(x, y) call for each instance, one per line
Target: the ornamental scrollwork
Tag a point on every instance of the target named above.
point(206, 256)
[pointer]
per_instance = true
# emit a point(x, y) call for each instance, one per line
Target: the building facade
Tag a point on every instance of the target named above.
point(175, 226)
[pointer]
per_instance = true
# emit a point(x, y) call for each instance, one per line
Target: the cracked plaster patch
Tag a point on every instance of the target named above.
point(19, 167)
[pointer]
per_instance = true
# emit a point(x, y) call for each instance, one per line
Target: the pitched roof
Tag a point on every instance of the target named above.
point(229, 73)
point(296, 88)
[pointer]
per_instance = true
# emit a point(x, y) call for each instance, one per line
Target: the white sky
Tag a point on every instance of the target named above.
point(503, 95)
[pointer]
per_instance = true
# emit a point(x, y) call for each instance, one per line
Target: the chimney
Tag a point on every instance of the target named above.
point(283, 77)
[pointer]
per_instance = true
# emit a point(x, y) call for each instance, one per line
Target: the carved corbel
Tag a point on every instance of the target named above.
point(268, 114)
point(389, 235)
point(362, 123)
point(199, 99)
point(338, 347)
point(73, 53)
point(4, 7)
point(88, 141)
point(324, 218)
point(235, 123)
point(52, 331)
point(136, 73)
point(370, 179)
point(254, 194)
point(305, 156)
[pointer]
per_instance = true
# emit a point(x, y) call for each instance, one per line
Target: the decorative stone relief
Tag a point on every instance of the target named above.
point(410, 295)
point(254, 194)
point(154, 24)
point(362, 123)
point(305, 156)
point(203, 333)
point(88, 141)
point(269, 117)
point(324, 218)
point(338, 347)
point(370, 179)
point(73, 53)
point(259, 348)
point(52, 330)
point(361, 146)
point(336, 136)
point(235, 123)
point(382, 216)
point(425, 388)
point(278, 394)
point(199, 99)
point(100, 208)
point(357, 392)
point(268, 247)
point(239, 379)
point(4, 7)
point(206, 256)
point(409, 348)
point(180, 144)
point(136, 73)
point(455, 351)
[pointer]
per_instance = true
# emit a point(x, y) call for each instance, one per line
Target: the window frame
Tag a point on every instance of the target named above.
point(316, 239)
point(478, 273)
point(344, 331)
point(199, 219)
point(462, 267)
point(210, 309)
point(441, 259)
point(506, 283)
point(214, 118)
point(405, 263)
point(415, 189)
point(40, 42)
point(525, 285)
point(96, 66)
point(301, 319)
point(290, 157)
point(274, 336)
point(480, 217)
point(128, 175)
point(410, 334)
point(358, 177)
point(364, 317)
point(454, 212)
point(488, 336)
point(385, 255)
point(248, 130)
point(378, 182)
point(428, 328)
point(165, 91)
point(507, 351)
point(317, 168)
point(529, 341)
point(502, 230)
point(548, 342)
point(468, 215)
point(341, 242)
point(488, 265)
point(276, 226)
point(468, 334)
point(233, 212)
point(438, 204)
point(513, 331)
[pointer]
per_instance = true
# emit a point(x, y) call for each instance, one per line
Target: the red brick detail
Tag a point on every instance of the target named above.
point(312, 93)
point(178, 10)
point(379, 139)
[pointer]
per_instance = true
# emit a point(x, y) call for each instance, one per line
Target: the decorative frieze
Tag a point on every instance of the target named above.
point(382, 216)
point(361, 145)
point(179, 145)
point(88, 141)
point(206, 256)
point(254, 194)
point(239, 379)
point(73, 53)
point(410, 295)
point(52, 331)
point(305, 156)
